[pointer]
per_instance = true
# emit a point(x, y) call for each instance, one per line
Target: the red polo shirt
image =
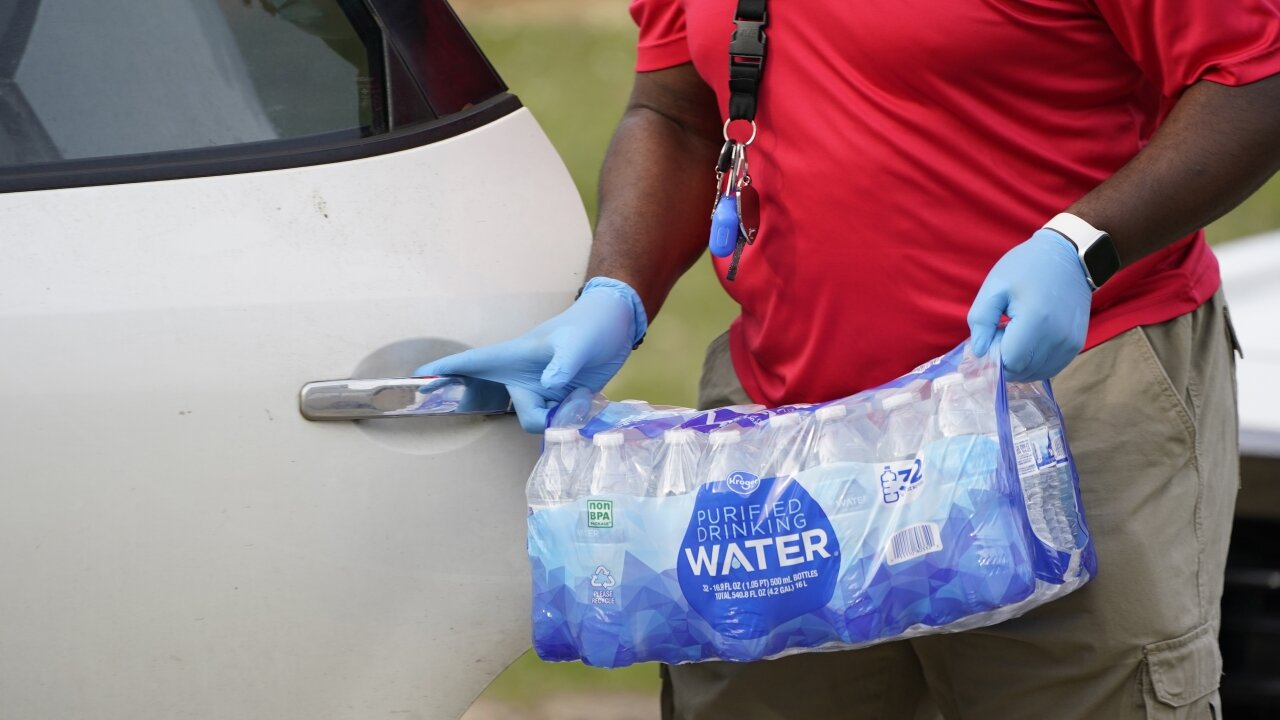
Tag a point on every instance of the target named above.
point(905, 145)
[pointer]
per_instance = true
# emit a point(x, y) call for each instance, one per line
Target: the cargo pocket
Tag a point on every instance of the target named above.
point(1181, 677)
point(1232, 337)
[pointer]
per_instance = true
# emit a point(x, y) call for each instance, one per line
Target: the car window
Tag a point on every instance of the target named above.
point(86, 80)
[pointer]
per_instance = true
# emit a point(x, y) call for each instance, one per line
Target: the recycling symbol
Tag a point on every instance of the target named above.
point(602, 578)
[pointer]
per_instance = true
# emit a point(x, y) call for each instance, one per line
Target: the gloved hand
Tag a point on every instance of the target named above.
point(1041, 286)
point(578, 350)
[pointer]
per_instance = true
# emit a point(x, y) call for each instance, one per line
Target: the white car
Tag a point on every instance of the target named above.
point(1250, 274)
point(1250, 636)
point(208, 204)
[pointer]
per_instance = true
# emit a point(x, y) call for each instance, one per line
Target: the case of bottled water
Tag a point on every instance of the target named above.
point(942, 501)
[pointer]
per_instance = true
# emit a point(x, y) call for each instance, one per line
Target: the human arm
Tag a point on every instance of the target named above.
point(654, 219)
point(656, 184)
point(1217, 146)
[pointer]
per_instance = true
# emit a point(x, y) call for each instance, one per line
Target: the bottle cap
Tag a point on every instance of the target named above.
point(561, 435)
point(947, 380)
point(608, 438)
point(784, 419)
point(727, 436)
point(678, 436)
point(831, 412)
point(893, 402)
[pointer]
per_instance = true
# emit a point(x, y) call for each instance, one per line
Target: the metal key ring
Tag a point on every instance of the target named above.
point(749, 140)
point(739, 168)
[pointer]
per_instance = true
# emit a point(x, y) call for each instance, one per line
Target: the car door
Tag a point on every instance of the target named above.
point(208, 204)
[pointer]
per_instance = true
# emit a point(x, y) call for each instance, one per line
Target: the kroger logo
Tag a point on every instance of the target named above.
point(743, 483)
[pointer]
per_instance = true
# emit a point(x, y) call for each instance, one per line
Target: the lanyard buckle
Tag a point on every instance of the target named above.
point(746, 47)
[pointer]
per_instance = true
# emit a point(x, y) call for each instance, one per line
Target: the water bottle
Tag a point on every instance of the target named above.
point(983, 393)
point(728, 455)
point(903, 428)
point(962, 459)
point(901, 473)
point(785, 445)
point(1042, 483)
point(847, 461)
point(958, 411)
point(551, 482)
point(1063, 479)
point(842, 478)
point(550, 494)
point(1044, 469)
point(607, 489)
point(678, 463)
point(979, 528)
point(844, 434)
point(954, 429)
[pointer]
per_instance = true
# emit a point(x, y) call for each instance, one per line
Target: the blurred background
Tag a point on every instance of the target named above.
point(571, 63)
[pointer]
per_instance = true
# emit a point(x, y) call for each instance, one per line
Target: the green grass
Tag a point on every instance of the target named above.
point(529, 679)
point(1257, 214)
point(575, 77)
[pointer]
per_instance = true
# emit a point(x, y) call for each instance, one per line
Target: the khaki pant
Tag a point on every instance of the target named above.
point(1151, 416)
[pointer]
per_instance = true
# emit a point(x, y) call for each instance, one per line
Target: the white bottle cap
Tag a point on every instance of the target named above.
point(678, 436)
point(947, 380)
point(727, 436)
point(561, 435)
point(831, 412)
point(608, 438)
point(784, 420)
point(893, 402)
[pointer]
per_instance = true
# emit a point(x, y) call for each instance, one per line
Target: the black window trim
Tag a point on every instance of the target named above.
point(251, 157)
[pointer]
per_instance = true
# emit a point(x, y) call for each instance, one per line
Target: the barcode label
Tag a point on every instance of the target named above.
point(1025, 452)
point(912, 542)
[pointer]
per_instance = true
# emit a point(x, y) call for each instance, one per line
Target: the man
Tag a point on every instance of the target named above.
point(905, 152)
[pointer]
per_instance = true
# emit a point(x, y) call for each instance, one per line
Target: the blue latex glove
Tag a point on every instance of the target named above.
point(577, 351)
point(1041, 286)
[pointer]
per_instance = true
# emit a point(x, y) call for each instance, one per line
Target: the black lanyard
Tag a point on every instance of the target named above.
point(746, 59)
point(735, 216)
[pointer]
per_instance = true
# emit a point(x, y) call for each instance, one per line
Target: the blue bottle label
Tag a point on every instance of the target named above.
point(757, 553)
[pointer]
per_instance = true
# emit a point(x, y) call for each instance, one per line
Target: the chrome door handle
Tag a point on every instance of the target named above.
point(368, 399)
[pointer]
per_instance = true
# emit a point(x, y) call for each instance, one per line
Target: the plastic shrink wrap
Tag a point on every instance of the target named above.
point(942, 501)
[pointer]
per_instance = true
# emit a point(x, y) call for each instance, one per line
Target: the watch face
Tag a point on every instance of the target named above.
point(1101, 260)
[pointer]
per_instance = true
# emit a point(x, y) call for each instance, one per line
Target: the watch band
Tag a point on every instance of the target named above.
point(1099, 262)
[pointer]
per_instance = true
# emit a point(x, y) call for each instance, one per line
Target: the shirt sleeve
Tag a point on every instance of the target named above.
point(663, 38)
point(1180, 42)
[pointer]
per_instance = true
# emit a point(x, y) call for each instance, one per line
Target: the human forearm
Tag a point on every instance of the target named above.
point(1218, 145)
point(655, 186)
